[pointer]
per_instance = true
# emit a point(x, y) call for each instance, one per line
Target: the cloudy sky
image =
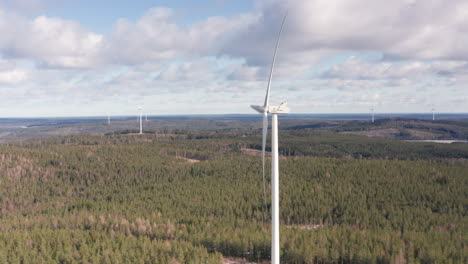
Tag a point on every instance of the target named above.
point(88, 57)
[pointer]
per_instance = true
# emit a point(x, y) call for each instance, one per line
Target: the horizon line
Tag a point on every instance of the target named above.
point(239, 114)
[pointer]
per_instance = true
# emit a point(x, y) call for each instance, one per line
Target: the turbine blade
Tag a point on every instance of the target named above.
point(264, 138)
point(267, 97)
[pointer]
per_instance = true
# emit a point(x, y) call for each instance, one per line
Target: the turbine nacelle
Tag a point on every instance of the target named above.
point(281, 109)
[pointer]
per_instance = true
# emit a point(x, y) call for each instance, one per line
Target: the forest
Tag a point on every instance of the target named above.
point(182, 196)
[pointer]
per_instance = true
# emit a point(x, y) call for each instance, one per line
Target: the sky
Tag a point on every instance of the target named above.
point(93, 58)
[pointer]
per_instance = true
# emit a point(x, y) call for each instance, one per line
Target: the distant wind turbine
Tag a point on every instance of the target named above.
point(265, 109)
point(372, 111)
point(140, 117)
point(433, 114)
point(108, 119)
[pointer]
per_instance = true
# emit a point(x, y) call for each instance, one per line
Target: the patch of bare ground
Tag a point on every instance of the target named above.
point(393, 133)
point(187, 157)
point(305, 227)
point(191, 161)
point(254, 152)
point(385, 133)
point(169, 135)
point(426, 124)
point(135, 134)
point(421, 134)
point(64, 131)
point(231, 260)
point(158, 135)
point(141, 137)
point(258, 153)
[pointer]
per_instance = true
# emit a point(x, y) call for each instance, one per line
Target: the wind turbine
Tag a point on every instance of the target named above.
point(108, 119)
point(433, 114)
point(140, 114)
point(372, 110)
point(266, 109)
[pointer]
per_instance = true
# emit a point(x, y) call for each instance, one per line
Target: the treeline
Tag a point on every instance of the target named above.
point(440, 129)
point(130, 199)
point(403, 128)
point(327, 144)
point(292, 143)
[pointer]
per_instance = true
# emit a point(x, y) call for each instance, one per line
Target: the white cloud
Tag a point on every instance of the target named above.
point(53, 42)
point(12, 77)
point(12, 74)
point(157, 36)
point(400, 29)
point(224, 62)
point(245, 73)
point(416, 29)
point(357, 68)
point(187, 71)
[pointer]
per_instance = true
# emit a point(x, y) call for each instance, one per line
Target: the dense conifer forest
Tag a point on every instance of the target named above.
point(179, 196)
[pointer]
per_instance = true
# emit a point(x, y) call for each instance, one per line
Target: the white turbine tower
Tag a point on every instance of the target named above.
point(140, 117)
point(433, 114)
point(372, 110)
point(265, 109)
point(108, 119)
